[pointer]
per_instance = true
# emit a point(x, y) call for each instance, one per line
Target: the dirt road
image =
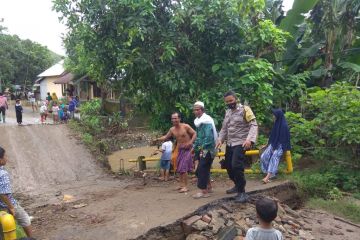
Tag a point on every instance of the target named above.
point(46, 163)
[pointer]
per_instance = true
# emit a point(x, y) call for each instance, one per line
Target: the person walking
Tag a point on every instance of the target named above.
point(239, 130)
point(18, 111)
point(279, 142)
point(3, 106)
point(204, 148)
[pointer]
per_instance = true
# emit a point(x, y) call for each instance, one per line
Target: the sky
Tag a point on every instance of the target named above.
point(35, 20)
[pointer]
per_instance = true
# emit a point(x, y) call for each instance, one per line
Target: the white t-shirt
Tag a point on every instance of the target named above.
point(55, 110)
point(257, 233)
point(167, 150)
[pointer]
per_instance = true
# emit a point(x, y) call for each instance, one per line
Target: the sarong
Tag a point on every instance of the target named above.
point(174, 156)
point(184, 161)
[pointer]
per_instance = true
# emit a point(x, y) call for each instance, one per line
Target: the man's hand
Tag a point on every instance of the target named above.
point(154, 142)
point(218, 144)
point(187, 145)
point(12, 211)
point(247, 144)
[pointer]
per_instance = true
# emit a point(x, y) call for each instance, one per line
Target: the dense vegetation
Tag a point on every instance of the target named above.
point(167, 54)
point(22, 60)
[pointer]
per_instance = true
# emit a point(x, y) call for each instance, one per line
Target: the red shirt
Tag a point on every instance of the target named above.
point(3, 101)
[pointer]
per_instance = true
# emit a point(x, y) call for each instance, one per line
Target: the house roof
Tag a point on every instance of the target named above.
point(38, 80)
point(65, 78)
point(84, 78)
point(55, 70)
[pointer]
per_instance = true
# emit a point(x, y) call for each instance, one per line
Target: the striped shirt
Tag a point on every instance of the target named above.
point(5, 187)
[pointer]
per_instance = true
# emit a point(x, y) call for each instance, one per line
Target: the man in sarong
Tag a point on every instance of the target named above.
point(185, 137)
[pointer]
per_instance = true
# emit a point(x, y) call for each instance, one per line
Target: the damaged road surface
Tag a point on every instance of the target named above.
point(225, 220)
point(70, 196)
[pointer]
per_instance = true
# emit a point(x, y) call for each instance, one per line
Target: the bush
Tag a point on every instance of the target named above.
point(331, 126)
point(87, 138)
point(90, 116)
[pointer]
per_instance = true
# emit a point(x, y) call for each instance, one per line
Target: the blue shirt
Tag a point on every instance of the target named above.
point(72, 105)
point(5, 187)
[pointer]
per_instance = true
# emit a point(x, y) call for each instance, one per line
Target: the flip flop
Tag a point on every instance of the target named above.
point(201, 195)
point(265, 182)
point(183, 190)
point(178, 188)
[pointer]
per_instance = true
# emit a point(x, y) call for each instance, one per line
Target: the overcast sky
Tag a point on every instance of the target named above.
point(35, 20)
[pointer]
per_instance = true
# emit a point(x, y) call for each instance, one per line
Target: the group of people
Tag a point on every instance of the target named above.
point(239, 130)
point(59, 111)
point(57, 108)
point(199, 147)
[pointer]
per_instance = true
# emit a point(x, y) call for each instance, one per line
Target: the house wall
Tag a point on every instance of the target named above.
point(48, 85)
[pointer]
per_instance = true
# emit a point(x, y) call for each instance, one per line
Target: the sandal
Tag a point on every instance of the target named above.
point(201, 195)
point(183, 190)
point(266, 181)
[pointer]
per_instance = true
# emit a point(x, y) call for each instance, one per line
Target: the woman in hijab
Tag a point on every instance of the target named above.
point(279, 142)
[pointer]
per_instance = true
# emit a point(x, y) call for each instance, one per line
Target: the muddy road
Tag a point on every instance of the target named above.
point(47, 166)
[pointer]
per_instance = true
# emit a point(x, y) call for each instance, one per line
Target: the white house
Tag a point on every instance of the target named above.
point(46, 81)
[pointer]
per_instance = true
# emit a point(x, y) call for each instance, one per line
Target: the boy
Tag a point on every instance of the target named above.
point(166, 150)
point(19, 111)
point(7, 201)
point(266, 210)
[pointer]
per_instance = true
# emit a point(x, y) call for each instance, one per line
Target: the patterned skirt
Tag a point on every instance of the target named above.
point(184, 161)
point(270, 160)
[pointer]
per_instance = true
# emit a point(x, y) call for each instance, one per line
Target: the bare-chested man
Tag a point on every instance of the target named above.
point(185, 136)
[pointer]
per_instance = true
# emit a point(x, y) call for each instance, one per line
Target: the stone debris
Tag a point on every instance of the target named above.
point(231, 221)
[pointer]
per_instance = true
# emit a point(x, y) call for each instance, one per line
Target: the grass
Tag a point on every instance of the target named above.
point(346, 207)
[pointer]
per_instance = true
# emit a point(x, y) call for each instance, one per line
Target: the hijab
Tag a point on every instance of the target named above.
point(280, 134)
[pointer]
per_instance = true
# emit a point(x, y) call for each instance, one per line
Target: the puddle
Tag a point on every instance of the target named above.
point(116, 163)
point(132, 153)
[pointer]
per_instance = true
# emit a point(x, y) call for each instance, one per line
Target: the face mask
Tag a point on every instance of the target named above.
point(231, 105)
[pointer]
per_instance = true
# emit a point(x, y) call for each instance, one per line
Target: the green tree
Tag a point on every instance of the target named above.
point(169, 53)
point(22, 60)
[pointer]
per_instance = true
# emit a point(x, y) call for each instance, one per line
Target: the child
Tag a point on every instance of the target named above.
point(43, 112)
point(19, 111)
point(7, 201)
point(61, 111)
point(55, 112)
point(166, 150)
point(266, 210)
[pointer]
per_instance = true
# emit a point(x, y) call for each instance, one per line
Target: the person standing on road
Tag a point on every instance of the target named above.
point(18, 111)
point(204, 148)
point(185, 137)
point(3, 106)
point(32, 100)
point(239, 130)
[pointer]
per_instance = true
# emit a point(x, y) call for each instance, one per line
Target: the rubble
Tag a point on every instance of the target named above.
point(233, 221)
